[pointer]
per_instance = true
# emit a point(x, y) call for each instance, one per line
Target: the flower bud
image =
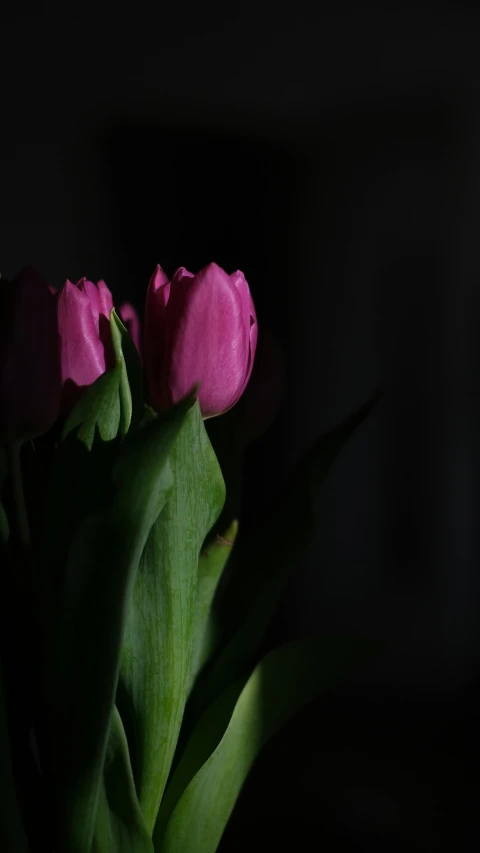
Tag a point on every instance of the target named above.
point(199, 329)
point(86, 343)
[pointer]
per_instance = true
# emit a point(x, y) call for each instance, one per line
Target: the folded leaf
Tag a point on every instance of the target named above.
point(110, 402)
point(131, 383)
point(284, 681)
point(204, 739)
point(120, 827)
point(211, 564)
point(157, 649)
point(100, 575)
point(98, 408)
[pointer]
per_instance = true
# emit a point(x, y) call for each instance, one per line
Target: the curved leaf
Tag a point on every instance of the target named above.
point(101, 571)
point(211, 564)
point(284, 681)
point(157, 650)
point(98, 408)
point(204, 739)
point(131, 382)
point(120, 827)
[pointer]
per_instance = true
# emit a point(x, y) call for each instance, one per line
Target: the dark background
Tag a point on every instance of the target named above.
point(334, 157)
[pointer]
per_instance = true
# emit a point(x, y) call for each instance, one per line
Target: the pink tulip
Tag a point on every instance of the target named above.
point(86, 344)
point(29, 357)
point(131, 321)
point(199, 329)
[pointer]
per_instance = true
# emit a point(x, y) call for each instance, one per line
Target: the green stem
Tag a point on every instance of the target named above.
point(21, 517)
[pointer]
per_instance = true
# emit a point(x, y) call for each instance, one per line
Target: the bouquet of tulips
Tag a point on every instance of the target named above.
point(133, 697)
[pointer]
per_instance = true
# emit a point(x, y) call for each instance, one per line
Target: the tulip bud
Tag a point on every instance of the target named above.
point(29, 357)
point(199, 329)
point(86, 344)
point(131, 321)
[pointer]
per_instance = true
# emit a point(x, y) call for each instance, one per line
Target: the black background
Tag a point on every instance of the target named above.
point(334, 156)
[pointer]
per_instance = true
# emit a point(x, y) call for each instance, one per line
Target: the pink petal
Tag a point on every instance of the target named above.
point(105, 298)
point(249, 319)
point(82, 352)
point(206, 340)
point(89, 289)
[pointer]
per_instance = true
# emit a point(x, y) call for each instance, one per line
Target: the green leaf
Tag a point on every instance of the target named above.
point(204, 739)
point(211, 564)
point(114, 398)
point(12, 832)
point(98, 408)
point(120, 827)
point(157, 650)
point(101, 571)
point(283, 682)
point(131, 382)
point(263, 560)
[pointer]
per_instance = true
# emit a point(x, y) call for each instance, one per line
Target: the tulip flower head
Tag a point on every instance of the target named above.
point(86, 345)
point(199, 329)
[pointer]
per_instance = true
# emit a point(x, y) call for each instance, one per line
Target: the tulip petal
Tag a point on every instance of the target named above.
point(105, 299)
point(181, 274)
point(160, 282)
point(249, 319)
point(83, 355)
point(101, 299)
point(206, 340)
point(253, 347)
point(89, 289)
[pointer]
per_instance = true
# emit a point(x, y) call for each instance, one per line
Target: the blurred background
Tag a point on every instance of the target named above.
point(334, 157)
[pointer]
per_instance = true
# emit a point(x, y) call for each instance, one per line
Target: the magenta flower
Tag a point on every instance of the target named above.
point(131, 321)
point(199, 329)
point(29, 357)
point(86, 344)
